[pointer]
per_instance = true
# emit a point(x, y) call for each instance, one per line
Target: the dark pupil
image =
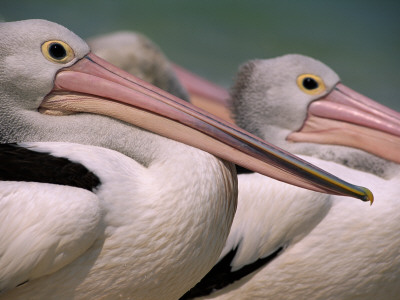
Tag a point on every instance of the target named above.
point(57, 51)
point(309, 83)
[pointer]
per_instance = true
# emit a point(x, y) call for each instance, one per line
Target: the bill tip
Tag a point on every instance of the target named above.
point(367, 195)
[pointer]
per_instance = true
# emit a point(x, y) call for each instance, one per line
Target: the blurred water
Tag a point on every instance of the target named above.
point(360, 40)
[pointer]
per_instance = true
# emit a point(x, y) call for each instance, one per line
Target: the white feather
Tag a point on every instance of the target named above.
point(43, 228)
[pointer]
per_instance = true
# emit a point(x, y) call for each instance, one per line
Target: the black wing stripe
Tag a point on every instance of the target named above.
point(21, 164)
point(221, 275)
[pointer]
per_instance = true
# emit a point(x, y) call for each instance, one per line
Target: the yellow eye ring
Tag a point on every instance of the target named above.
point(57, 51)
point(311, 84)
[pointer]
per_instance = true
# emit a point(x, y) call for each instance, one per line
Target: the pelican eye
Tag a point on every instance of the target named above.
point(311, 84)
point(58, 52)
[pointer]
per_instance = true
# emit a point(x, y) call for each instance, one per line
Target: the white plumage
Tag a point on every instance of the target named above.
point(333, 248)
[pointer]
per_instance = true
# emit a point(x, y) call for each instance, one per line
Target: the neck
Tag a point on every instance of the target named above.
point(354, 159)
point(193, 212)
point(88, 129)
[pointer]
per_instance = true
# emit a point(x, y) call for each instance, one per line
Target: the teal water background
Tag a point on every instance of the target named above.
point(360, 40)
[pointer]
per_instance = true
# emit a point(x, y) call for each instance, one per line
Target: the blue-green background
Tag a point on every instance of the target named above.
point(360, 40)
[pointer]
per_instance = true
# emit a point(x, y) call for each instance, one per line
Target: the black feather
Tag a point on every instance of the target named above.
point(221, 275)
point(242, 170)
point(21, 164)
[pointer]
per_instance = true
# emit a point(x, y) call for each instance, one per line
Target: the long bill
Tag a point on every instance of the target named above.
point(93, 85)
point(345, 117)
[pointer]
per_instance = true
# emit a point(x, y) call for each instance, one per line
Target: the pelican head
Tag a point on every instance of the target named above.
point(300, 104)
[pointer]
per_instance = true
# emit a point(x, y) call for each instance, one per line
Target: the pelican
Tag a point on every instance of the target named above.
point(154, 216)
point(333, 249)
